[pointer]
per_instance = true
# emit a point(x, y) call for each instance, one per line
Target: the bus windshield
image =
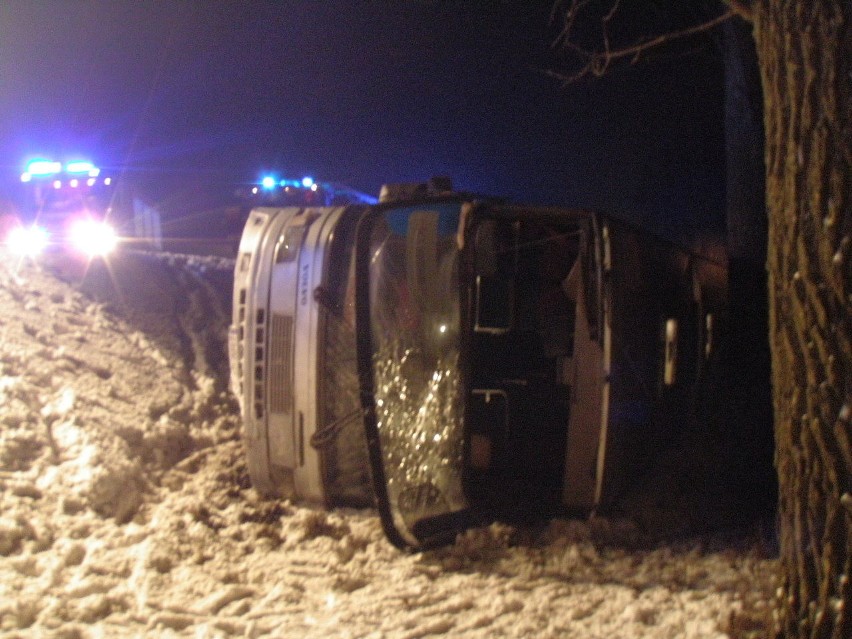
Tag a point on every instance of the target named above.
point(414, 326)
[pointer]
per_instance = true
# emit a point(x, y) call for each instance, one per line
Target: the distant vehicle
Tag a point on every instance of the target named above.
point(65, 206)
point(225, 214)
point(458, 360)
point(271, 190)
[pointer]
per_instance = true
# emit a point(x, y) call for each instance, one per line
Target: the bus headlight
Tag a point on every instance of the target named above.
point(92, 238)
point(27, 241)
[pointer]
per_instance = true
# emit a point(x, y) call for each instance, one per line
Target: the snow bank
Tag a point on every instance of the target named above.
point(125, 507)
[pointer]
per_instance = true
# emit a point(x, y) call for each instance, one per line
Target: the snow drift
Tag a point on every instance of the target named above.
point(125, 506)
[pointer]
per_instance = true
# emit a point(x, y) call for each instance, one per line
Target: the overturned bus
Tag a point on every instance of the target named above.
point(456, 361)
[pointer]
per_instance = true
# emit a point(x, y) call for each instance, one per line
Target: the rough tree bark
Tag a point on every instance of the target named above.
point(804, 50)
point(805, 53)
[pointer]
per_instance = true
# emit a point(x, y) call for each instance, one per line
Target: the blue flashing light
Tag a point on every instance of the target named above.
point(268, 182)
point(40, 168)
point(307, 182)
point(80, 166)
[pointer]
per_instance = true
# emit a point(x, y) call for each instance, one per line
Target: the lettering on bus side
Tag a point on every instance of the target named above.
point(304, 278)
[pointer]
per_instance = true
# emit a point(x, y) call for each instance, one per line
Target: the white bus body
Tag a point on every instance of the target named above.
point(510, 360)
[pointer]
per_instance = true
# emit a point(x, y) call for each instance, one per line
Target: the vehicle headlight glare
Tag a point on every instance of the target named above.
point(93, 238)
point(27, 241)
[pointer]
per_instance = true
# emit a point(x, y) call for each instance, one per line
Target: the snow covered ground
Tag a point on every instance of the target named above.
point(126, 510)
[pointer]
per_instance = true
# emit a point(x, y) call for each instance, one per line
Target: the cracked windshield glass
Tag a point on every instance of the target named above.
point(414, 302)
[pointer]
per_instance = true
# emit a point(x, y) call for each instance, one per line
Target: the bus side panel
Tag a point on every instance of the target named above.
point(710, 289)
point(588, 383)
point(635, 298)
point(658, 343)
point(584, 424)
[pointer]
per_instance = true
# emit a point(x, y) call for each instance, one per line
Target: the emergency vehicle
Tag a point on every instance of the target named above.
point(65, 206)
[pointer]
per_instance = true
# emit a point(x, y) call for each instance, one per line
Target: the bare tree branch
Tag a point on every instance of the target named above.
point(742, 8)
point(597, 63)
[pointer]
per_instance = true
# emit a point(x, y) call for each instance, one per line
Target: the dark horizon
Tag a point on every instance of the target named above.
point(360, 95)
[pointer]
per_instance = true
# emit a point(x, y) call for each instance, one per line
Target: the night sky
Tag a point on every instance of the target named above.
point(359, 93)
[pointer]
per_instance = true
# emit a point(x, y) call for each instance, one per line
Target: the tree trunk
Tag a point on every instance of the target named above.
point(805, 53)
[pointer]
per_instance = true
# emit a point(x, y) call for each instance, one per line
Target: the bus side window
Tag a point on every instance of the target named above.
point(495, 266)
